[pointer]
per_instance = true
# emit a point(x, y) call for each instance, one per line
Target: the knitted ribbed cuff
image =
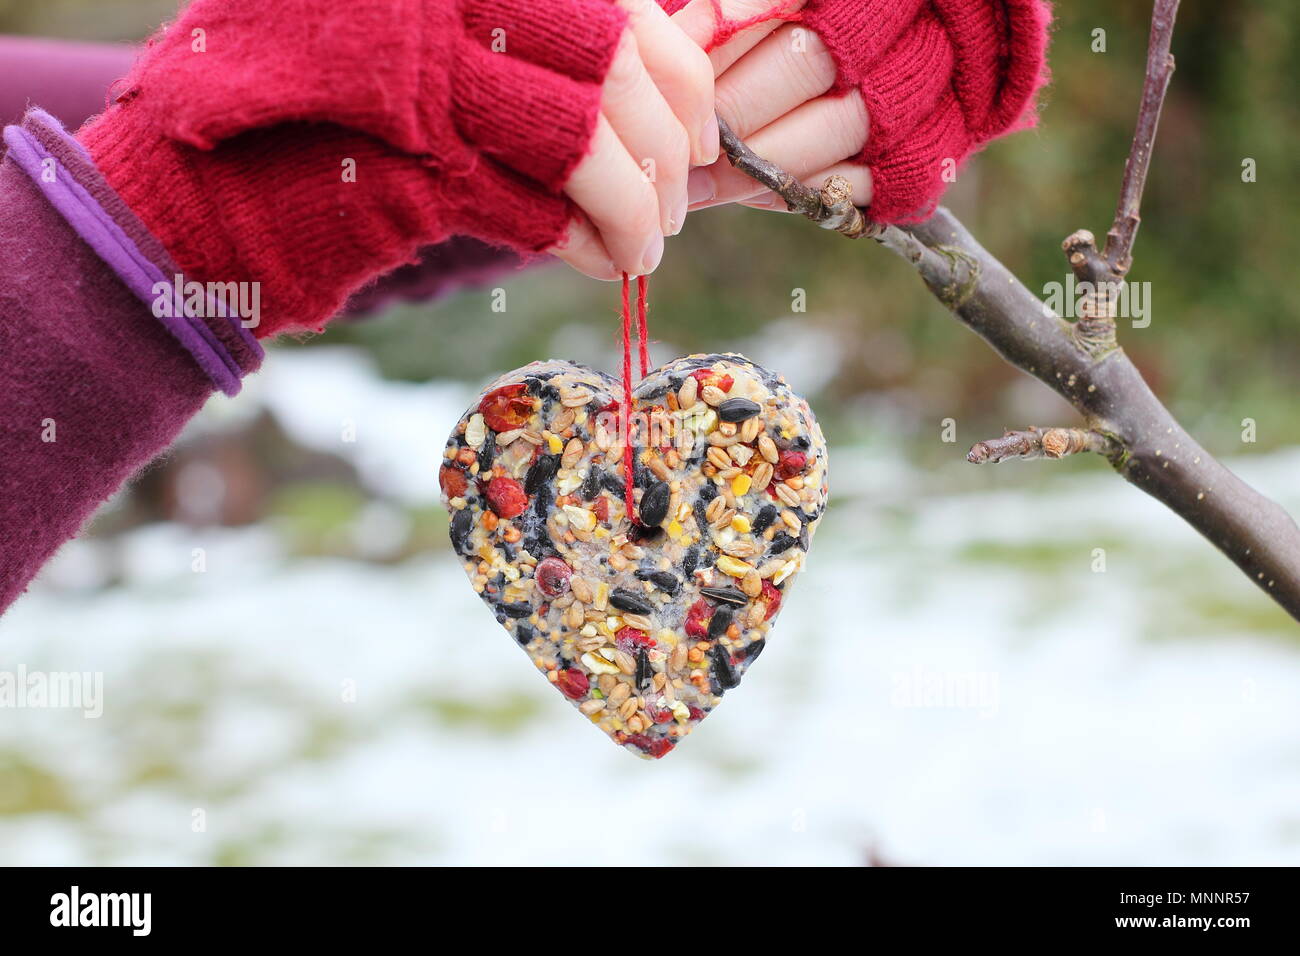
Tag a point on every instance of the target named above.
point(66, 175)
point(579, 45)
point(536, 123)
point(939, 78)
point(527, 89)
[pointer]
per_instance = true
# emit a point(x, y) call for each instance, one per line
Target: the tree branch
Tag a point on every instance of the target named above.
point(831, 207)
point(1082, 361)
point(1160, 70)
point(1040, 443)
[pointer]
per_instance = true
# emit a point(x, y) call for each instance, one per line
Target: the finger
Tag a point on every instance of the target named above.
point(786, 70)
point(818, 134)
point(583, 249)
point(699, 21)
point(609, 187)
point(681, 71)
point(859, 177)
point(649, 131)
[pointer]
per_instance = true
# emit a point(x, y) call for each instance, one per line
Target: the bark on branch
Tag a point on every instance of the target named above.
point(1082, 361)
point(1039, 443)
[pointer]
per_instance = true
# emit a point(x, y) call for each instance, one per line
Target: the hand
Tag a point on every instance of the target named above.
point(657, 120)
point(771, 81)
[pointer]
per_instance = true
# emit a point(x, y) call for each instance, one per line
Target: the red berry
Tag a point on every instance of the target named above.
point(452, 480)
point(790, 464)
point(506, 497)
point(506, 408)
point(630, 638)
point(572, 682)
point(707, 376)
point(697, 618)
point(695, 713)
point(772, 597)
point(654, 746)
point(610, 418)
point(552, 576)
point(601, 508)
point(660, 715)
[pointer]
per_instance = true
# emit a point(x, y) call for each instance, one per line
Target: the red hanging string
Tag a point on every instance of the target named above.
point(642, 288)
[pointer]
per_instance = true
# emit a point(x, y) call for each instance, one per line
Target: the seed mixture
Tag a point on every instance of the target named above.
point(643, 624)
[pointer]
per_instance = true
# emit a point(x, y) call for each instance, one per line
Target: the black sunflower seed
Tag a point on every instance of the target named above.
point(644, 673)
point(737, 409)
point(723, 671)
point(782, 543)
point(690, 560)
point(541, 472)
point(642, 476)
point(613, 482)
point(591, 485)
point(542, 502)
point(523, 633)
point(626, 600)
point(639, 534)
point(764, 519)
point(654, 504)
point(720, 621)
point(539, 545)
point(652, 394)
point(521, 609)
point(701, 517)
point(666, 581)
point(726, 595)
point(751, 653)
point(461, 525)
point(485, 456)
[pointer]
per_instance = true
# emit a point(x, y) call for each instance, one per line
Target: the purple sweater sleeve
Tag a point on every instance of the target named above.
point(91, 385)
point(72, 81)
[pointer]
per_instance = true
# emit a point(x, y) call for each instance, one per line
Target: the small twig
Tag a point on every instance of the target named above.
point(1039, 443)
point(831, 207)
point(1160, 70)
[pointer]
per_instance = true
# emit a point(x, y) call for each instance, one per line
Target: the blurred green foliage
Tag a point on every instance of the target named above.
point(1224, 340)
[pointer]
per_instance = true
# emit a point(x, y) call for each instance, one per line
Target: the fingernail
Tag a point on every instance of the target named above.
point(653, 254)
point(678, 218)
point(709, 140)
point(699, 186)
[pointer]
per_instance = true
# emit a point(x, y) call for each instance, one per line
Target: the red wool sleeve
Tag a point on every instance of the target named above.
point(940, 78)
point(233, 136)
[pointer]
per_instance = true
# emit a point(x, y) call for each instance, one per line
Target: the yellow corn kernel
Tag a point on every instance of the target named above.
point(556, 443)
point(732, 566)
point(674, 529)
point(740, 485)
point(740, 524)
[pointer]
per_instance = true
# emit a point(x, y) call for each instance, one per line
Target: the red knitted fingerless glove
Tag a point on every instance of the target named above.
point(940, 78)
point(236, 127)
